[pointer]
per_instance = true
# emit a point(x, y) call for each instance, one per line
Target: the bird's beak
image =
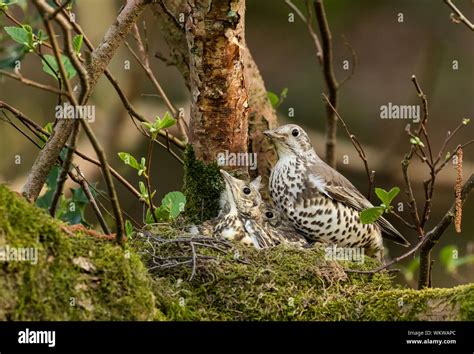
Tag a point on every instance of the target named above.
point(268, 133)
point(272, 135)
point(227, 177)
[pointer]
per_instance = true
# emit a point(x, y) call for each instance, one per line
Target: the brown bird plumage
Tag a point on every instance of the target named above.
point(320, 202)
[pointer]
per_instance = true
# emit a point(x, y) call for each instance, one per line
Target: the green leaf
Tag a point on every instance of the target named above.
point(283, 95)
point(70, 71)
point(382, 194)
point(79, 196)
point(166, 122)
point(48, 127)
point(142, 167)
point(370, 215)
point(174, 202)
point(143, 190)
point(162, 214)
point(416, 141)
point(22, 35)
point(128, 228)
point(77, 43)
point(387, 197)
point(44, 201)
point(465, 121)
point(129, 160)
point(149, 217)
point(392, 194)
point(273, 98)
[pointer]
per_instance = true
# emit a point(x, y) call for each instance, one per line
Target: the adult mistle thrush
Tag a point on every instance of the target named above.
point(320, 202)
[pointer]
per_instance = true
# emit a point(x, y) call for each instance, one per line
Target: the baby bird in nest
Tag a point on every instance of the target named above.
point(239, 198)
point(245, 218)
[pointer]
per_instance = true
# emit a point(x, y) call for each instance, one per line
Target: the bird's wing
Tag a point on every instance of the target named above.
point(341, 189)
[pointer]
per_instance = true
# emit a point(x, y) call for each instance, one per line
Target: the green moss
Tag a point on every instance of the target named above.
point(285, 283)
point(79, 277)
point(75, 278)
point(202, 187)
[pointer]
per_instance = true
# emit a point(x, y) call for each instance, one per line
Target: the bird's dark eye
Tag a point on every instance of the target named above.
point(246, 190)
point(295, 132)
point(269, 214)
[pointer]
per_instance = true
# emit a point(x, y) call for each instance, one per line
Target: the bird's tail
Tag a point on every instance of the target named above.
point(391, 233)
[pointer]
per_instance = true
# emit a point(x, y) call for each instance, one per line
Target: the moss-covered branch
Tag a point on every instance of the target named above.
point(80, 277)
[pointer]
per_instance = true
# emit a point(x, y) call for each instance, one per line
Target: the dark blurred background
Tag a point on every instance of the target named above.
point(388, 52)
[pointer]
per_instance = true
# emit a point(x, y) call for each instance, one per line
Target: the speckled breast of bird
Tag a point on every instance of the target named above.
point(317, 216)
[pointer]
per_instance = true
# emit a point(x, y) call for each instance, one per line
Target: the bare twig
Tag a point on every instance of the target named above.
point(458, 16)
point(61, 180)
point(357, 146)
point(434, 235)
point(32, 83)
point(431, 238)
point(330, 80)
point(147, 175)
point(35, 128)
point(90, 197)
point(446, 141)
point(58, 10)
point(448, 158)
point(354, 61)
point(307, 22)
point(143, 60)
point(399, 217)
point(458, 190)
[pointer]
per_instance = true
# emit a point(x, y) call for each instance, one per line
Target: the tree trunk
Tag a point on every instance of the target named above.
point(230, 107)
point(219, 110)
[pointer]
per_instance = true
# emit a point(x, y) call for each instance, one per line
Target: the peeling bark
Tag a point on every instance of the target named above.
point(219, 110)
point(208, 47)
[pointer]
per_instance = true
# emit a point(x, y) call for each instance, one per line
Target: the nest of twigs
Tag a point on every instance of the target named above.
point(168, 249)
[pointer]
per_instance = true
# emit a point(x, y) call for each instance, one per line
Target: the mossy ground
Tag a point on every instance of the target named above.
point(76, 278)
point(107, 281)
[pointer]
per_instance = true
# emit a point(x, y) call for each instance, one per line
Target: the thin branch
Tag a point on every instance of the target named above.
point(307, 22)
point(128, 106)
point(61, 180)
point(357, 146)
point(58, 10)
point(354, 61)
point(147, 178)
point(39, 130)
point(90, 197)
point(430, 185)
point(458, 16)
point(452, 154)
point(399, 217)
point(434, 235)
point(145, 65)
point(446, 141)
point(6, 119)
point(330, 79)
point(38, 85)
point(431, 237)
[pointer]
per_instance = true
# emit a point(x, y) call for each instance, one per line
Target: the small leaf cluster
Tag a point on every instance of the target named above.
point(371, 215)
point(172, 205)
point(70, 210)
point(276, 100)
point(31, 41)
